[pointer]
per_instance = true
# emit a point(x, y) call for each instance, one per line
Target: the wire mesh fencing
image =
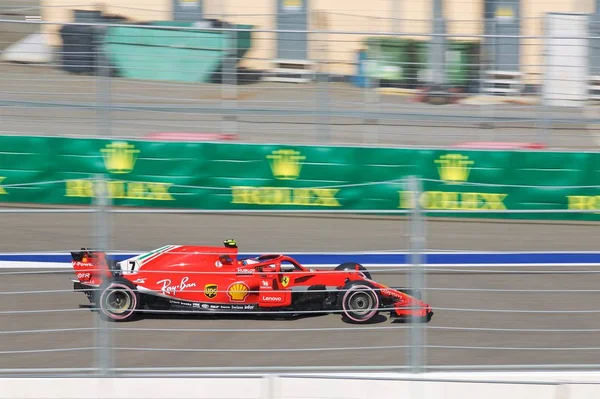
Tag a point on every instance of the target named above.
point(350, 92)
point(367, 87)
point(485, 316)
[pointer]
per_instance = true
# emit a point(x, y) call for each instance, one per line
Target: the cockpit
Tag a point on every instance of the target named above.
point(283, 263)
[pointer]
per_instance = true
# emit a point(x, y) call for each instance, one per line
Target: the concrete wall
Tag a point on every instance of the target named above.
point(464, 18)
point(471, 386)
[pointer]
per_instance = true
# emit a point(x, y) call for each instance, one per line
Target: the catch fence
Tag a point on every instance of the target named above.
point(488, 315)
point(362, 86)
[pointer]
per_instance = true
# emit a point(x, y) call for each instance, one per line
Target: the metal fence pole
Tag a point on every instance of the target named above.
point(323, 96)
point(543, 128)
point(104, 344)
point(416, 274)
point(104, 129)
point(494, 66)
point(229, 85)
point(371, 99)
point(103, 85)
point(437, 47)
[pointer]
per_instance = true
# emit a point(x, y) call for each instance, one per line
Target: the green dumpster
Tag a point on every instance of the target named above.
point(462, 63)
point(405, 62)
point(384, 57)
point(396, 61)
point(419, 50)
point(182, 55)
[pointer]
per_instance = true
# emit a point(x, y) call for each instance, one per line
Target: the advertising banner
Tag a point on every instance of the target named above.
point(247, 176)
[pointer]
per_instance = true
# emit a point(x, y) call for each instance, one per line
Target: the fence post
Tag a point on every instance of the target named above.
point(104, 128)
point(323, 95)
point(104, 358)
point(229, 85)
point(416, 274)
point(372, 98)
point(103, 85)
point(544, 127)
point(437, 47)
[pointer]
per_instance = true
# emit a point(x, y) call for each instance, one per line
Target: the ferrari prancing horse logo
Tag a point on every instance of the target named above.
point(210, 290)
point(285, 280)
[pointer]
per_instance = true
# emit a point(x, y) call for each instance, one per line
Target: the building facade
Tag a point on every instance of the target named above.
point(341, 26)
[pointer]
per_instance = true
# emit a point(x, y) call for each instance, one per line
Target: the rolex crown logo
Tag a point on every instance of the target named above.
point(454, 168)
point(119, 157)
point(286, 164)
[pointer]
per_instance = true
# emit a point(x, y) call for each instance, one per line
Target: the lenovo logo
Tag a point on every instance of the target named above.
point(271, 299)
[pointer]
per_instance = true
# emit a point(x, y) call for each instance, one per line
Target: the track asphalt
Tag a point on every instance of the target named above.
point(469, 326)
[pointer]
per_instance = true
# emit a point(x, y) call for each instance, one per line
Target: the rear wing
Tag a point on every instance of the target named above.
point(91, 266)
point(89, 253)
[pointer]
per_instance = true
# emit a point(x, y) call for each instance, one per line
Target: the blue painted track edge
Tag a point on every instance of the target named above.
point(382, 258)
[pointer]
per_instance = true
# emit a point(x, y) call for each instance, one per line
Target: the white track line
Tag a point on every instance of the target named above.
point(62, 265)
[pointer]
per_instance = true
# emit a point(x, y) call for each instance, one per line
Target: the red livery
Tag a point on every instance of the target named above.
point(214, 279)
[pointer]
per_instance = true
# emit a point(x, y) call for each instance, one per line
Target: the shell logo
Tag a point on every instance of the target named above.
point(238, 291)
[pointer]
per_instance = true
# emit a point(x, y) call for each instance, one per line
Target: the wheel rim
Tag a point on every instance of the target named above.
point(360, 303)
point(117, 301)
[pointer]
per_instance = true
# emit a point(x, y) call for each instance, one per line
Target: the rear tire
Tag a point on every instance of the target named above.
point(117, 300)
point(352, 267)
point(359, 302)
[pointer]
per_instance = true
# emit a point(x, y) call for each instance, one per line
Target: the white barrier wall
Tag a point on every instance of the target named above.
point(442, 386)
point(387, 389)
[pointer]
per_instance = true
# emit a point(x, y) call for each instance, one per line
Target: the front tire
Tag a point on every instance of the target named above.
point(359, 302)
point(117, 300)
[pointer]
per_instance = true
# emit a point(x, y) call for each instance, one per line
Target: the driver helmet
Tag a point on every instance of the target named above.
point(225, 259)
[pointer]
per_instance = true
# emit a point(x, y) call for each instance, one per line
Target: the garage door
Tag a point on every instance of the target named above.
point(187, 10)
point(502, 18)
point(292, 15)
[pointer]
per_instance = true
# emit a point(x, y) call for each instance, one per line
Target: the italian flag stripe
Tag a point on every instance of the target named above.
point(156, 253)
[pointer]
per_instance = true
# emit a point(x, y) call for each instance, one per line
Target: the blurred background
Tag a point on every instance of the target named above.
point(371, 75)
point(305, 126)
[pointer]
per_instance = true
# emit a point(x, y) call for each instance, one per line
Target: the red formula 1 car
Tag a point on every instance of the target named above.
point(213, 279)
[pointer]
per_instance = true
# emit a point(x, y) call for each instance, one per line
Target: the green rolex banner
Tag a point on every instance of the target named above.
point(244, 176)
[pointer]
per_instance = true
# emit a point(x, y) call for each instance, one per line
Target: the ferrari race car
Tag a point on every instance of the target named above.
point(213, 279)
